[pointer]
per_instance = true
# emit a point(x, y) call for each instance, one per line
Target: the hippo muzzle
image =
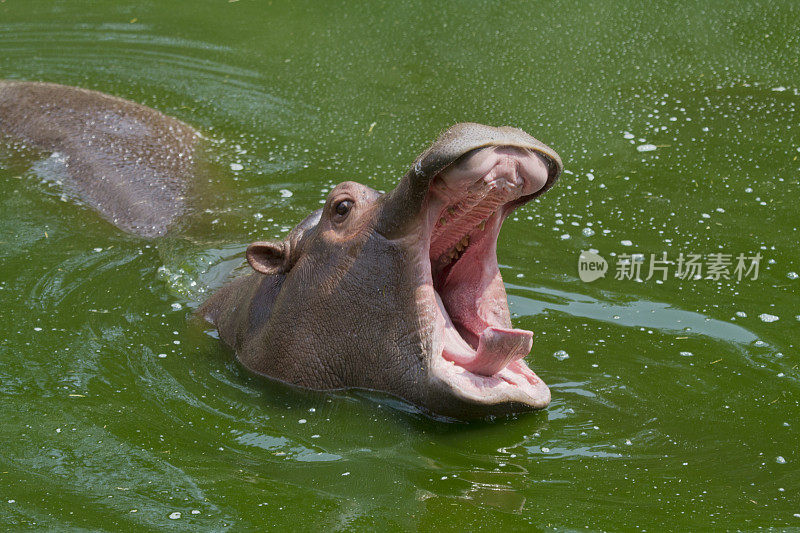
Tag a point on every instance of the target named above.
point(464, 187)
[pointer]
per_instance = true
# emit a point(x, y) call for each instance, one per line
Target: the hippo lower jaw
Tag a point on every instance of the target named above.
point(476, 351)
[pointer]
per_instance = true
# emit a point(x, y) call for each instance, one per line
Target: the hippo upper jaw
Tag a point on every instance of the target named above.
point(475, 353)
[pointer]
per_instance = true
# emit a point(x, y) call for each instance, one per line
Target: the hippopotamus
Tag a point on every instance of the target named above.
point(398, 292)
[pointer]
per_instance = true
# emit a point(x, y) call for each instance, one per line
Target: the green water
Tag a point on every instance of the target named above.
point(677, 406)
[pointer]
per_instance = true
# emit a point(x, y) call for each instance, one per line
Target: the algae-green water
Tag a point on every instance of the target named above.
point(675, 401)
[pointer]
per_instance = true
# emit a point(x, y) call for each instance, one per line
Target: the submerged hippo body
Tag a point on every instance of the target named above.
point(400, 292)
point(396, 292)
point(129, 162)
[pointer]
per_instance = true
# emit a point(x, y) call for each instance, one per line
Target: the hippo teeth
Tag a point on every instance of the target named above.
point(458, 249)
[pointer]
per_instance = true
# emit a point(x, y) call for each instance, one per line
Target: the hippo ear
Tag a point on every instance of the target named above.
point(268, 257)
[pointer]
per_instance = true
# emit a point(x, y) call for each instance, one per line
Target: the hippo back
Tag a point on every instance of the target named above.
point(129, 162)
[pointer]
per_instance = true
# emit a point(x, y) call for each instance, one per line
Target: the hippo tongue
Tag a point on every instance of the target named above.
point(497, 347)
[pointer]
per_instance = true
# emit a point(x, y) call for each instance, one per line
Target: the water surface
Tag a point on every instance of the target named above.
point(675, 404)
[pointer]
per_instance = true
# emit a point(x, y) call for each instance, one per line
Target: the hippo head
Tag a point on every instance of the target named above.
point(400, 292)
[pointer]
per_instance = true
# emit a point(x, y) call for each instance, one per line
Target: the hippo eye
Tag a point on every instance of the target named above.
point(342, 208)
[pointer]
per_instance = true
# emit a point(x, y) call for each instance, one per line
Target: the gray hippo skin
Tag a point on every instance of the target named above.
point(400, 292)
point(129, 162)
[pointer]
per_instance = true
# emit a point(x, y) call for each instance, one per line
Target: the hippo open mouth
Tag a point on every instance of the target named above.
point(479, 353)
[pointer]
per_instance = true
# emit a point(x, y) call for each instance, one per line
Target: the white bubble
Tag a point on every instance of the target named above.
point(780, 460)
point(176, 306)
point(646, 147)
point(561, 355)
point(687, 354)
point(741, 314)
point(792, 275)
point(626, 243)
point(234, 167)
point(765, 317)
point(588, 232)
point(175, 515)
point(286, 193)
